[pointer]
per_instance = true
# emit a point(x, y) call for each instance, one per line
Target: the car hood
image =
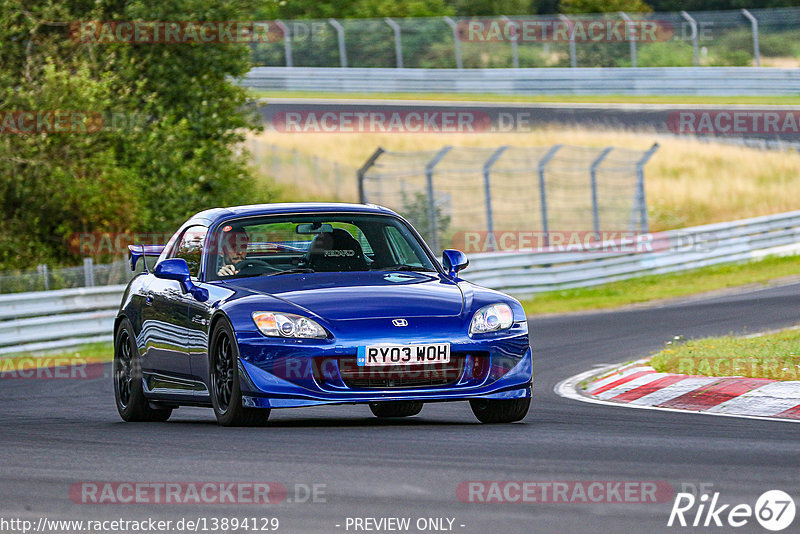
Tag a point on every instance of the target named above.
point(367, 295)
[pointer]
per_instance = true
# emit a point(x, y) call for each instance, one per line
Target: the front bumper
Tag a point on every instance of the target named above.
point(282, 373)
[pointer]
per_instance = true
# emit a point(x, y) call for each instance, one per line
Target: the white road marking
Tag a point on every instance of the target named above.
point(614, 377)
point(629, 385)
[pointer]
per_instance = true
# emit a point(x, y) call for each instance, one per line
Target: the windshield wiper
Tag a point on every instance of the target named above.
point(293, 271)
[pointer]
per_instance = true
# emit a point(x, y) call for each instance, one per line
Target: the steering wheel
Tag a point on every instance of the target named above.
point(246, 267)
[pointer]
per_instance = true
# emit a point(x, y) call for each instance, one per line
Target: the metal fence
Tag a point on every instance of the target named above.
point(309, 176)
point(449, 192)
point(722, 38)
point(45, 278)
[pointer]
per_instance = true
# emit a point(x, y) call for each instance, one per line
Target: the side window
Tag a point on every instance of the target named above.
point(190, 248)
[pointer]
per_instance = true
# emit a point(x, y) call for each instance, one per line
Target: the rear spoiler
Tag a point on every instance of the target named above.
point(138, 251)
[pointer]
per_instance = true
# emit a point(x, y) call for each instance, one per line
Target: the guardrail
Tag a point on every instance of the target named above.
point(710, 81)
point(56, 319)
point(44, 320)
point(738, 37)
point(526, 273)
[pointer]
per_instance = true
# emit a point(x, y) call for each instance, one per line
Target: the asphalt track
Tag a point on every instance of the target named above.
point(54, 433)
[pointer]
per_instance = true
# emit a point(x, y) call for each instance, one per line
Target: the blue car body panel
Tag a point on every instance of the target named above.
point(172, 329)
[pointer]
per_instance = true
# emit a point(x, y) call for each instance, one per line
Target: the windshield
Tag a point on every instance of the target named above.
point(288, 244)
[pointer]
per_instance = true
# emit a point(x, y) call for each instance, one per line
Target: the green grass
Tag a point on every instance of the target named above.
point(567, 99)
point(657, 287)
point(772, 356)
point(90, 353)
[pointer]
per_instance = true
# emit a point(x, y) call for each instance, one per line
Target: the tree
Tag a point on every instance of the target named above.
point(711, 5)
point(174, 153)
point(488, 8)
point(313, 9)
point(603, 6)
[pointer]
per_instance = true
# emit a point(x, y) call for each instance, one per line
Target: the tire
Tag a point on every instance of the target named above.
point(395, 408)
point(129, 397)
point(226, 394)
point(500, 411)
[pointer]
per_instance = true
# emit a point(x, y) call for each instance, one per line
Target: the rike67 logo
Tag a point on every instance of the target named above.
point(774, 510)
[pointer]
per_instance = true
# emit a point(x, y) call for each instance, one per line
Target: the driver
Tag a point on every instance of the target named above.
point(234, 250)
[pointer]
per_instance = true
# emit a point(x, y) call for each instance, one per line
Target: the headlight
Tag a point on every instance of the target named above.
point(288, 325)
point(492, 318)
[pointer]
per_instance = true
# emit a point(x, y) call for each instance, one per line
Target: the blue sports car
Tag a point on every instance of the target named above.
point(285, 305)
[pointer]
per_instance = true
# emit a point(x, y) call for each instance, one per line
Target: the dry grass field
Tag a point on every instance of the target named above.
point(688, 182)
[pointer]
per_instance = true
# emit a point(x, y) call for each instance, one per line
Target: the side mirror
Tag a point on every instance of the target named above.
point(454, 261)
point(177, 269)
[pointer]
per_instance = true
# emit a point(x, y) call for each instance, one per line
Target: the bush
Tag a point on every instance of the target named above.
point(178, 157)
point(730, 58)
point(666, 54)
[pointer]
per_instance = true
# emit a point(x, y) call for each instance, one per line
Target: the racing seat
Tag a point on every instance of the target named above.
point(336, 251)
